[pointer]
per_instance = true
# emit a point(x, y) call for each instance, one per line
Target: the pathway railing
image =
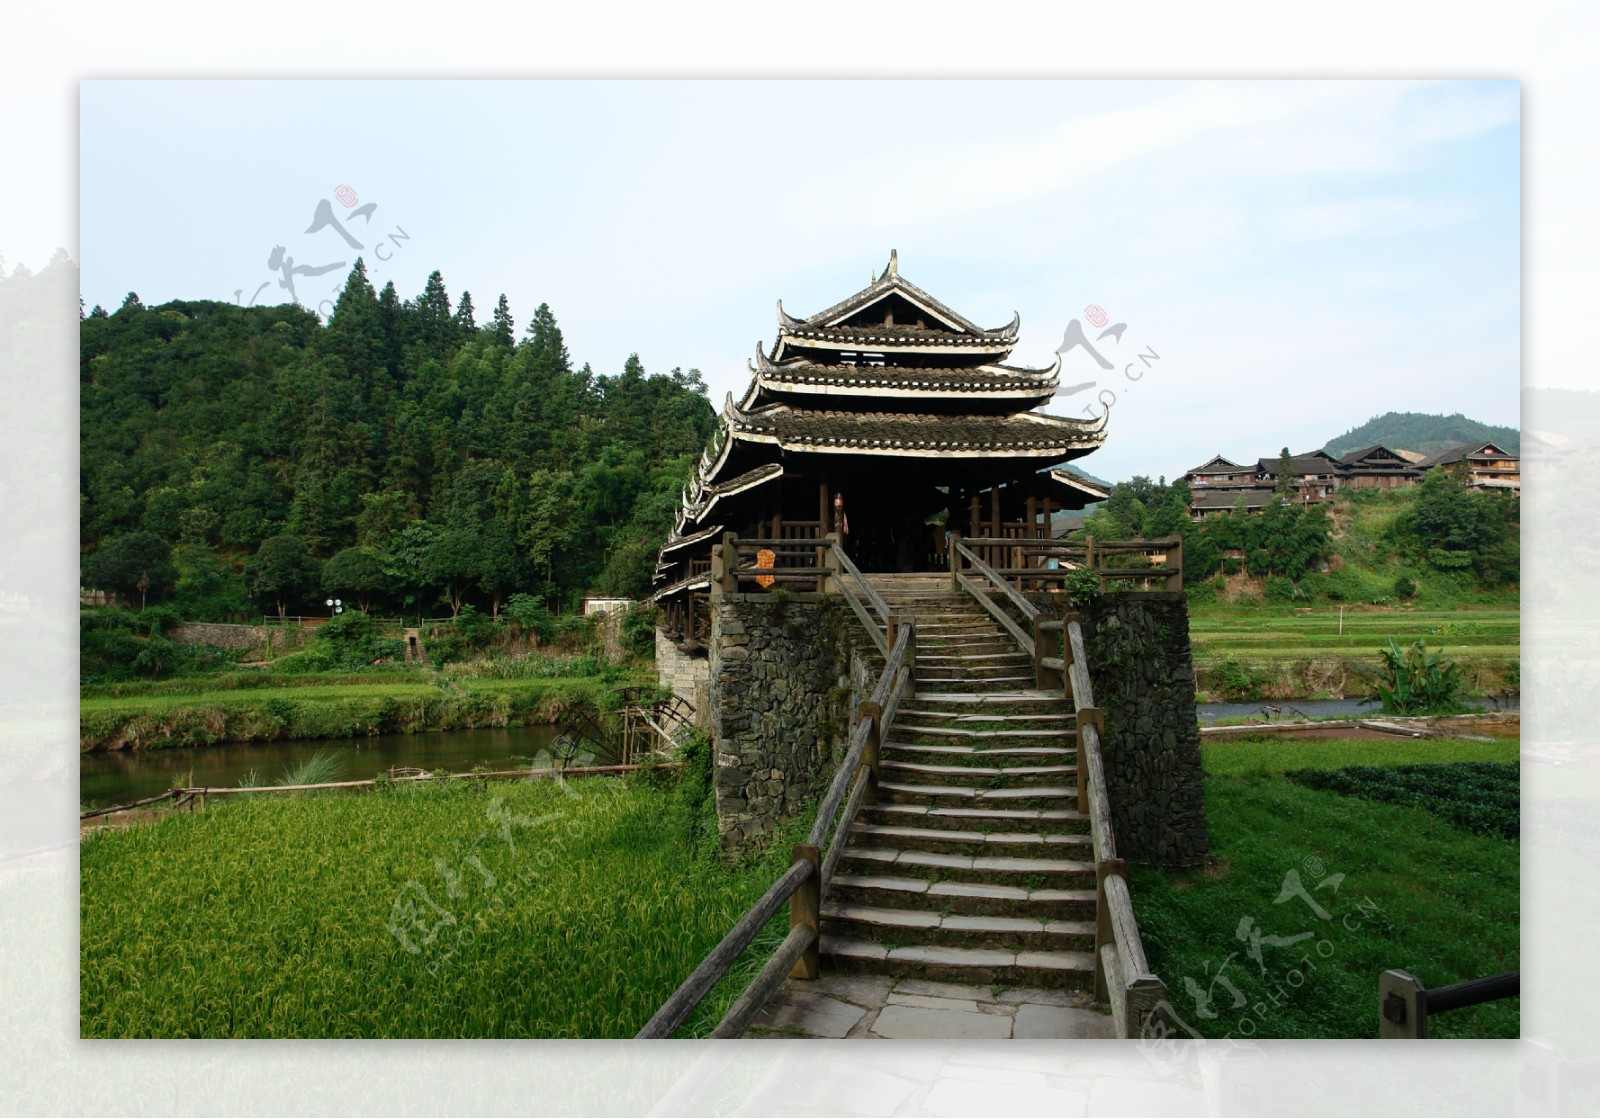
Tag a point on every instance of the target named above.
point(812, 865)
point(809, 564)
point(1043, 565)
point(1122, 974)
point(1404, 1004)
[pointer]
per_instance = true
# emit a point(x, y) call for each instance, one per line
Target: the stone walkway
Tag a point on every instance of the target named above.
point(882, 1006)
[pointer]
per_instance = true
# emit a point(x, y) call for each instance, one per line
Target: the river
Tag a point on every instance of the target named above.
point(120, 776)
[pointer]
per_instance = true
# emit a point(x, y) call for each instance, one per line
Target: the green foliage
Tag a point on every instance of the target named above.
point(116, 645)
point(1080, 585)
point(319, 769)
point(639, 632)
point(1431, 898)
point(283, 573)
point(1483, 797)
point(1405, 587)
point(137, 565)
point(584, 917)
point(1456, 530)
point(1415, 681)
point(1423, 433)
point(421, 458)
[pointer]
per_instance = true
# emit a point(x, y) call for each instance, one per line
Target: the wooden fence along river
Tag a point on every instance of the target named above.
point(1122, 974)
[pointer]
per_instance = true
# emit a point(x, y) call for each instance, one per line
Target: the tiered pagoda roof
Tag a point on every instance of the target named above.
point(892, 374)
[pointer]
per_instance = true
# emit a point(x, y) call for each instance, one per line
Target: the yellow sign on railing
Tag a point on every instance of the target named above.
point(766, 557)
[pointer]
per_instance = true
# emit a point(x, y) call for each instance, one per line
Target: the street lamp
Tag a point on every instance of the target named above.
point(335, 606)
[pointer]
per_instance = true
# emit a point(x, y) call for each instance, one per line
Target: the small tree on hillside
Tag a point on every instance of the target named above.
point(137, 563)
point(282, 571)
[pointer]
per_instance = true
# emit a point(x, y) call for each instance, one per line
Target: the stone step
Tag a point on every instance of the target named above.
point(983, 737)
point(957, 699)
point(1027, 796)
point(958, 930)
point(974, 683)
point(954, 754)
point(962, 816)
point(1038, 968)
point(977, 775)
point(979, 719)
point(958, 841)
point(954, 896)
point(936, 866)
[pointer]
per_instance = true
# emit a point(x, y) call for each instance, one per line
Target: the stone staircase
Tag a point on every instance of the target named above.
point(975, 865)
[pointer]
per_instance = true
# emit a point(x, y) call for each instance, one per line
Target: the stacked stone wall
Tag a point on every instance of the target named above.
point(1142, 670)
point(784, 677)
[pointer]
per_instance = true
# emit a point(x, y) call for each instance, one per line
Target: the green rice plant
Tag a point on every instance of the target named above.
point(526, 909)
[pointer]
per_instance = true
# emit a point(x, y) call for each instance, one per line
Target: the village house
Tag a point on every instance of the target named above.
point(1220, 484)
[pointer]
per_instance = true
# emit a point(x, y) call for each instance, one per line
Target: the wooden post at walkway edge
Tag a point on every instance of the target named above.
point(829, 582)
point(870, 711)
point(1402, 1006)
point(1088, 717)
point(730, 564)
point(805, 908)
point(1175, 566)
point(719, 569)
point(951, 539)
point(1102, 925)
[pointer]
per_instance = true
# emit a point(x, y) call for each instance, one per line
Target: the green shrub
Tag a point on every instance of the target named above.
point(1279, 588)
point(1417, 682)
point(1081, 585)
point(1405, 587)
point(1484, 797)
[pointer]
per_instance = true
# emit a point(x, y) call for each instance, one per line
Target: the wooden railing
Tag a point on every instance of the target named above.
point(811, 564)
point(805, 882)
point(1037, 564)
point(1122, 974)
point(1404, 1004)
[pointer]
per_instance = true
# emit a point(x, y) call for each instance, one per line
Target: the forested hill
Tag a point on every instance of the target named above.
point(1424, 433)
point(402, 454)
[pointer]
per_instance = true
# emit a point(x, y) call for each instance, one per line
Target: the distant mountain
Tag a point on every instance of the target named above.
point(1421, 432)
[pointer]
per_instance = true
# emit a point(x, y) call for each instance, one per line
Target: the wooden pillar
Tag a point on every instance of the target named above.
point(869, 756)
point(974, 525)
point(1102, 925)
point(994, 511)
point(1046, 531)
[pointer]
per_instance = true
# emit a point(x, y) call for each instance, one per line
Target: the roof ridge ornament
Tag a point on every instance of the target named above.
point(894, 264)
point(787, 321)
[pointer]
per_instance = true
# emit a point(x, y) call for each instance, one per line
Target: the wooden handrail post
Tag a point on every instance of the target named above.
point(1087, 717)
point(1103, 935)
point(891, 629)
point(951, 539)
point(1402, 1005)
point(719, 570)
point(831, 579)
point(869, 757)
point(1175, 566)
point(805, 908)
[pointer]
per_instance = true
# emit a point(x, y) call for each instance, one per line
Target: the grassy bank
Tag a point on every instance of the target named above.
point(313, 707)
point(1417, 893)
point(514, 910)
point(1266, 651)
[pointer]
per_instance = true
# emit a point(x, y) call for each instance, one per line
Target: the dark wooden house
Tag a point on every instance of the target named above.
point(887, 418)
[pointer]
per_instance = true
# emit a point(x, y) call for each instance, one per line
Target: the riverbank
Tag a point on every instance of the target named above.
point(1263, 651)
point(198, 713)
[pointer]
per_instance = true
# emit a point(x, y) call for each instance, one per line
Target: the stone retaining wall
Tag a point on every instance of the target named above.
point(783, 678)
point(220, 635)
point(688, 676)
point(1143, 677)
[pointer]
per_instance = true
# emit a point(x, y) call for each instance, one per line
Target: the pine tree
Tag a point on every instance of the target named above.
point(466, 323)
point(504, 327)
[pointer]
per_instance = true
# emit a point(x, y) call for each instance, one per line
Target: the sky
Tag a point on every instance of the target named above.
point(1301, 255)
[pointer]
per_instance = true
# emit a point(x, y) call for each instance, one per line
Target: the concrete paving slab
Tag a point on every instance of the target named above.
point(1038, 1022)
point(931, 1002)
point(915, 1022)
point(813, 1014)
